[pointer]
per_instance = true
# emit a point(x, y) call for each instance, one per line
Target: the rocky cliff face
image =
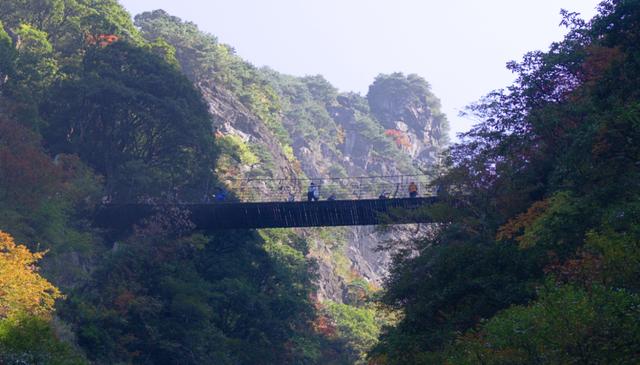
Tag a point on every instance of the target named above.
point(397, 129)
point(231, 117)
point(406, 108)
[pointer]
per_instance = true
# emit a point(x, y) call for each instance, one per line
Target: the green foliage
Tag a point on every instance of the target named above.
point(267, 165)
point(288, 153)
point(35, 63)
point(236, 147)
point(154, 126)
point(51, 37)
point(290, 251)
point(617, 241)
point(316, 115)
point(7, 56)
point(264, 103)
point(303, 114)
point(203, 60)
point(108, 17)
point(118, 113)
point(40, 13)
point(320, 89)
point(542, 193)
point(548, 228)
point(207, 302)
point(121, 109)
point(166, 51)
point(40, 197)
point(466, 282)
point(394, 95)
point(565, 325)
point(29, 340)
point(32, 68)
point(196, 52)
point(358, 327)
point(68, 23)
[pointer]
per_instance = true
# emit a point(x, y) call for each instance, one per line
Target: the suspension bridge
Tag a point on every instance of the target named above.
point(285, 203)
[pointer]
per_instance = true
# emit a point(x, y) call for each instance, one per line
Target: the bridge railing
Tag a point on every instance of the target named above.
point(353, 188)
point(258, 190)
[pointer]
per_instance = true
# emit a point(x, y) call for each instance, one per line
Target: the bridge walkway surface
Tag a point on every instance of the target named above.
point(237, 215)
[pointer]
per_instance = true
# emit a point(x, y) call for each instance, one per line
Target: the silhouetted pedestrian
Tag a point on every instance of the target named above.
point(413, 190)
point(221, 195)
point(313, 194)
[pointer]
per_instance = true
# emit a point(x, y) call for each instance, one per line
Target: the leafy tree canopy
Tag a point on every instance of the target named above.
point(543, 190)
point(22, 289)
point(129, 114)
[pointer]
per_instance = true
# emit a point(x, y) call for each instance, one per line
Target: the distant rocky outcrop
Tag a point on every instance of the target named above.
point(406, 108)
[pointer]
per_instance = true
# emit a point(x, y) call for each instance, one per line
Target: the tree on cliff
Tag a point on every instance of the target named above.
point(136, 120)
point(408, 98)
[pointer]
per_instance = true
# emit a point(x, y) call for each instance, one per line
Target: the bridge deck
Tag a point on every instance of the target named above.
point(277, 214)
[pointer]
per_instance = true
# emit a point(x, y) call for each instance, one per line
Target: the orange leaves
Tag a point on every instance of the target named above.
point(102, 40)
point(516, 225)
point(324, 326)
point(402, 140)
point(22, 289)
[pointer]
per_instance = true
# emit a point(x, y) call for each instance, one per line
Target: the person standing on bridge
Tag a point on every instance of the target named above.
point(220, 194)
point(313, 194)
point(413, 190)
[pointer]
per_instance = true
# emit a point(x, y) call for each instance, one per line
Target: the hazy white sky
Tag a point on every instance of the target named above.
point(459, 46)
